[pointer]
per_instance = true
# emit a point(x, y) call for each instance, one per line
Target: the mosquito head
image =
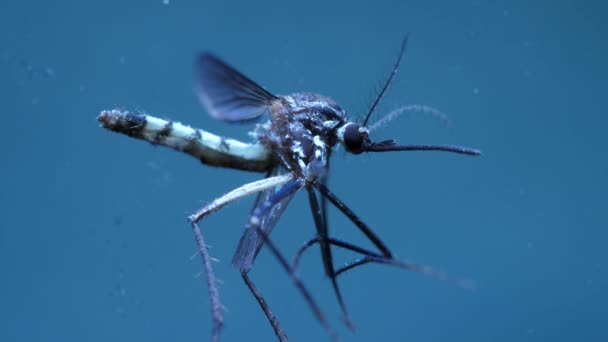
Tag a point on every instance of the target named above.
point(355, 139)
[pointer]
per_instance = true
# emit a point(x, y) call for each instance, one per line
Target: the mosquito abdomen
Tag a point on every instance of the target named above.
point(209, 148)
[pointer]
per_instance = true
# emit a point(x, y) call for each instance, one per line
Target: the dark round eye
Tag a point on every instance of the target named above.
point(353, 139)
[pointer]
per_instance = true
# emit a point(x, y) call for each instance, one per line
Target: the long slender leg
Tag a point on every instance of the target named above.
point(333, 242)
point(322, 234)
point(305, 246)
point(254, 223)
point(247, 189)
point(387, 257)
point(372, 257)
point(271, 317)
point(355, 219)
point(214, 295)
point(254, 290)
point(465, 283)
point(251, 243)
point(240, 192)
point(355, 263)
point(324, 180)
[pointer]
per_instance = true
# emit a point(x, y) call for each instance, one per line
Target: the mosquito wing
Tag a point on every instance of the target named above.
point(251, 242)
point(229, 95)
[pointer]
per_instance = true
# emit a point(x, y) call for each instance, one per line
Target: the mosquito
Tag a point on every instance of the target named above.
point(293, 149)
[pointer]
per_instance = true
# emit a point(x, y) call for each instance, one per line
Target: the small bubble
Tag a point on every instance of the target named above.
point(122, 60)
point(475, 91)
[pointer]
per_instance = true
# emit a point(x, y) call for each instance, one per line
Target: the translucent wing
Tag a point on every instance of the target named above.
point(251, 242)
point(229, 95)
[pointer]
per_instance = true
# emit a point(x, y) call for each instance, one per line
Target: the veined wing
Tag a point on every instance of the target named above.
point(229, 95)
point(251, 242)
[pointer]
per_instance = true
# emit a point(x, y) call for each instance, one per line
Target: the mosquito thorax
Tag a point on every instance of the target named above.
point(353, 137)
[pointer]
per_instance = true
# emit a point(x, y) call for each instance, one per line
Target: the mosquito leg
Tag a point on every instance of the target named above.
point(387, 257)
point(429, 271)
point(333, 242)
point(214, 295)
point(372, 257)
point(426, 270)
point(355, 219)
point(240, 192)
point(255, 222)
point(258, 295)
point(247, 189)
point(271, 317)
point(352, 264)
point(322, 235)
point(305, 246)
point(324, 181)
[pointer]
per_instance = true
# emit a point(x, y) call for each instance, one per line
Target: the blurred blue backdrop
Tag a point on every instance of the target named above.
point(94, 244)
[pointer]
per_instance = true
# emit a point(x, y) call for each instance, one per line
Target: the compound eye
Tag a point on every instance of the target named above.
point(353, 139)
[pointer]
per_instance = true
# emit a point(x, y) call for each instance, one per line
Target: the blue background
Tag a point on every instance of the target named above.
point(94, 244)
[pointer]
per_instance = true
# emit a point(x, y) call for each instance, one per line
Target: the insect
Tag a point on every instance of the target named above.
point(293, 148)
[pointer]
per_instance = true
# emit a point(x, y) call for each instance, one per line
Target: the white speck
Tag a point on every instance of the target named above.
point(153, 165)
point(475, 91)
point(165, 2)
point(48, 72)
point(530, 244)
point(254, 221)
point(122, 60)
